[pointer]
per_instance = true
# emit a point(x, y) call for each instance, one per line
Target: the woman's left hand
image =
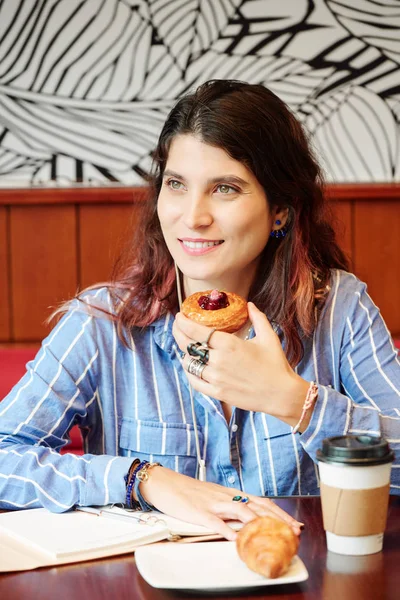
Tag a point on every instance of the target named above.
point(252, 375)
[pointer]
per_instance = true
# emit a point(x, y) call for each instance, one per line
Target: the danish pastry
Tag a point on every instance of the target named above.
point(267, 546)
point(225, 311)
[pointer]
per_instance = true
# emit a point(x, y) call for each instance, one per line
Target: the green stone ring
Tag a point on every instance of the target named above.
point(243, 499)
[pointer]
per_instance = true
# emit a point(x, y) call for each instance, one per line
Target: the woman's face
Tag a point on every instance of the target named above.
point(214, 215)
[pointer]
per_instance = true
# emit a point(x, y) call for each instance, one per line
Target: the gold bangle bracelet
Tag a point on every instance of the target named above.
point(143, 474)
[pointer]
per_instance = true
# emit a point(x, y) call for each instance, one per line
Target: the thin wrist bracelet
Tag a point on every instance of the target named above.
point(311, 397)
point(143, 471)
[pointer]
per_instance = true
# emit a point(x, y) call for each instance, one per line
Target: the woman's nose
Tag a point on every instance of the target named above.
point(198, 212)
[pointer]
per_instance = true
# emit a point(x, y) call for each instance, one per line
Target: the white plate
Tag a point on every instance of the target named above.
point(206, 566)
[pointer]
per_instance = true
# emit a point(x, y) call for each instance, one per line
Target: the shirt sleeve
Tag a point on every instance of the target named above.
point(368, 396)
point(35, 419)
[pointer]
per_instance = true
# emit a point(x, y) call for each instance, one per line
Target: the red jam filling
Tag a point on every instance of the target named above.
point(213, 301)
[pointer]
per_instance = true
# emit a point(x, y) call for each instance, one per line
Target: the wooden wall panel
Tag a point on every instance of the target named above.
point(104, 229)
point(377, 255)
point(5, 332)
point(43, 265)
point(62, 239)
point(342, 210)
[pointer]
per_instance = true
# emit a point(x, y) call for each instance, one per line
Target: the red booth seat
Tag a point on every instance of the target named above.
point(12, 368)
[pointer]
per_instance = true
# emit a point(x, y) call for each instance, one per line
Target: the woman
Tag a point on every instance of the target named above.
point(238, 204)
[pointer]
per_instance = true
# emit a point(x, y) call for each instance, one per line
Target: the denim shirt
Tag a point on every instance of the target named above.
point(135, 403)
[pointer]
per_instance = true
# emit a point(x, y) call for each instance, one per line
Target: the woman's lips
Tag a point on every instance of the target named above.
point(198, 247)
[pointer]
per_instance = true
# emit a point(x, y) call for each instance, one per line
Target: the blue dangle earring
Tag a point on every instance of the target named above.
point(278, 233)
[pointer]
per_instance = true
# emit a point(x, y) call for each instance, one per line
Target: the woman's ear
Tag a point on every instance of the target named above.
point(281, 214)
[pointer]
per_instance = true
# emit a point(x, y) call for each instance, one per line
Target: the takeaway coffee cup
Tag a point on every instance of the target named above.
point(355, 476)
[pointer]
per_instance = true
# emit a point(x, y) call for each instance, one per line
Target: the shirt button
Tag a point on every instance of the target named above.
point(234, 427)
point(231, 479)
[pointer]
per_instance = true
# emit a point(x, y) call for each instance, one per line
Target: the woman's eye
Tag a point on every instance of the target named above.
point(174, 184)
point(224, 188)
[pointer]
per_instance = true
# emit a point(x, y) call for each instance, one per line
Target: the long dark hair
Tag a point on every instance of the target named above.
point(257, 129)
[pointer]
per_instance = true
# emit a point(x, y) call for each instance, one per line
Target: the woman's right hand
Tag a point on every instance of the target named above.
point(207, 504)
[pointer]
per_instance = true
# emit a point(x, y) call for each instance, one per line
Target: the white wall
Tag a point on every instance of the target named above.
point(86, 84)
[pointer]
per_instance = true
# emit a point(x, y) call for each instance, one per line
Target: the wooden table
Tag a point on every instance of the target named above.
point(332, 577)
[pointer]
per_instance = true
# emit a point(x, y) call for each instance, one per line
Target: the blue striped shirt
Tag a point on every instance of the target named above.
point(135, 403)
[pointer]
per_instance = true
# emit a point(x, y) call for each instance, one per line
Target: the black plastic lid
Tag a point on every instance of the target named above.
point(355, 450)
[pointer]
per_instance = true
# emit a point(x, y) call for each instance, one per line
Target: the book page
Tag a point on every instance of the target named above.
point(70, 534)
point(14, 557)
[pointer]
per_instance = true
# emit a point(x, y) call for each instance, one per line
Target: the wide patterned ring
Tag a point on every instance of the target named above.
point(196, 367)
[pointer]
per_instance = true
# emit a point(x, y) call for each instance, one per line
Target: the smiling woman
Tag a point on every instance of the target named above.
point(237, 204)
point(244, 138)
point(214, 216)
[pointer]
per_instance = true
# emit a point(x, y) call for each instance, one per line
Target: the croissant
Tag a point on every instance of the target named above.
point(267, 546)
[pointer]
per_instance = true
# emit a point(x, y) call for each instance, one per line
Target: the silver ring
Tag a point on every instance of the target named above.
point(196, 367)
point(205, 344)
point(197, 349)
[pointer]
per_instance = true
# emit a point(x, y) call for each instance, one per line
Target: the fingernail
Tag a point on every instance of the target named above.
point(302, 526)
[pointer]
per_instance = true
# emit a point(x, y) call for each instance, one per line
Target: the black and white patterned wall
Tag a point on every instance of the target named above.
point(85, 85)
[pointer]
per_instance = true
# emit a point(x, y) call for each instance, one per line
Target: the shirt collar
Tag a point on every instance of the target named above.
point(162, 335)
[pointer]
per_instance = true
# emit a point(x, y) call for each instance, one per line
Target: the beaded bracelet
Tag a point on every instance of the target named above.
point(135, 467)
point(312, 395)
point(132, 468)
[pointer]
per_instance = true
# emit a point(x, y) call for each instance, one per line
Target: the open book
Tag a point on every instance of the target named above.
point(37, 538)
